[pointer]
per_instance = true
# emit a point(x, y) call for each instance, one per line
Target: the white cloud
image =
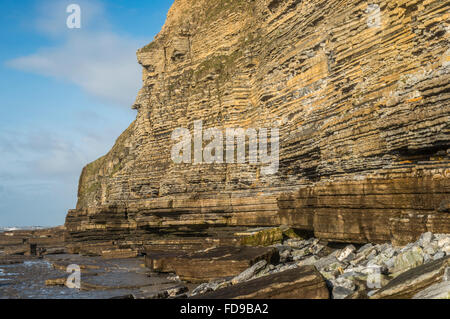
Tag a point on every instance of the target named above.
point(40, 167)
point(50, 155)
point(40, 164)
point(51, 16)
point(38, 155)
point(103, 63)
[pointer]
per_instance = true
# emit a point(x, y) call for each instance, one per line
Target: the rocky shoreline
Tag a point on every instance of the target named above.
point(364, 153)
point(268, 266)
point(358, 206)
point(365, 272)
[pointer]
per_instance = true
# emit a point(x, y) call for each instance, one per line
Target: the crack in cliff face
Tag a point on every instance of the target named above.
point(357, 103)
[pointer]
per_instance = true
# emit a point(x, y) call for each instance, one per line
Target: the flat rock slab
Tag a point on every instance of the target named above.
point(14, 259)
point(411, 282)
point(119, 253)
point(97, 264)
point(437, 291)
point(300, 283)
point(122, 280)
point(211, 264)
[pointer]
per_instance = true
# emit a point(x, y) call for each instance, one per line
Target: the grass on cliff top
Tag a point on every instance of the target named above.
point(213, 10)
point(224, 65)
point(88, 181)
point(149, 47)
point(219, 64)
point(217, 8)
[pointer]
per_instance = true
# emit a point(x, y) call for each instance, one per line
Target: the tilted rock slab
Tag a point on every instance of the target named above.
point(437, 291)
point(413, 281)
point(211, 264)
point(299, 283)
point(359, 93)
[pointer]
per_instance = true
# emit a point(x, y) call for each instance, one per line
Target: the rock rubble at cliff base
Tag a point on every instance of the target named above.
point(364, 272)
point(272, 263)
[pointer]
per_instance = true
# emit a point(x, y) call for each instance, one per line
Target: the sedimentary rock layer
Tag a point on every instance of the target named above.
point(32, 242)
point(360, 94)
point(300, 283)
point(370, 210)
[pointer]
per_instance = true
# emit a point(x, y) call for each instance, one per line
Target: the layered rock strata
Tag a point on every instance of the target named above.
point(32, 242)
point(300, 283)
point(359, 92)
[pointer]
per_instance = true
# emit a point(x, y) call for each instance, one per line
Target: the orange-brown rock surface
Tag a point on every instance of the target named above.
point(359, 93)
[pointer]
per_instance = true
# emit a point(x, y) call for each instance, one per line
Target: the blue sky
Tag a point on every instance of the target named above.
point(65, 96)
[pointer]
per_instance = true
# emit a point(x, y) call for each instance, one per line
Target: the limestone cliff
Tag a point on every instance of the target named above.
point(359, 91)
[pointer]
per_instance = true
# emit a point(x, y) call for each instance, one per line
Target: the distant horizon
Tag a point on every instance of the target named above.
point(11, 228)
point(66, 97)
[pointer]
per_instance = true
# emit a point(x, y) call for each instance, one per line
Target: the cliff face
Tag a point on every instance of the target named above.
point(360, 94)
